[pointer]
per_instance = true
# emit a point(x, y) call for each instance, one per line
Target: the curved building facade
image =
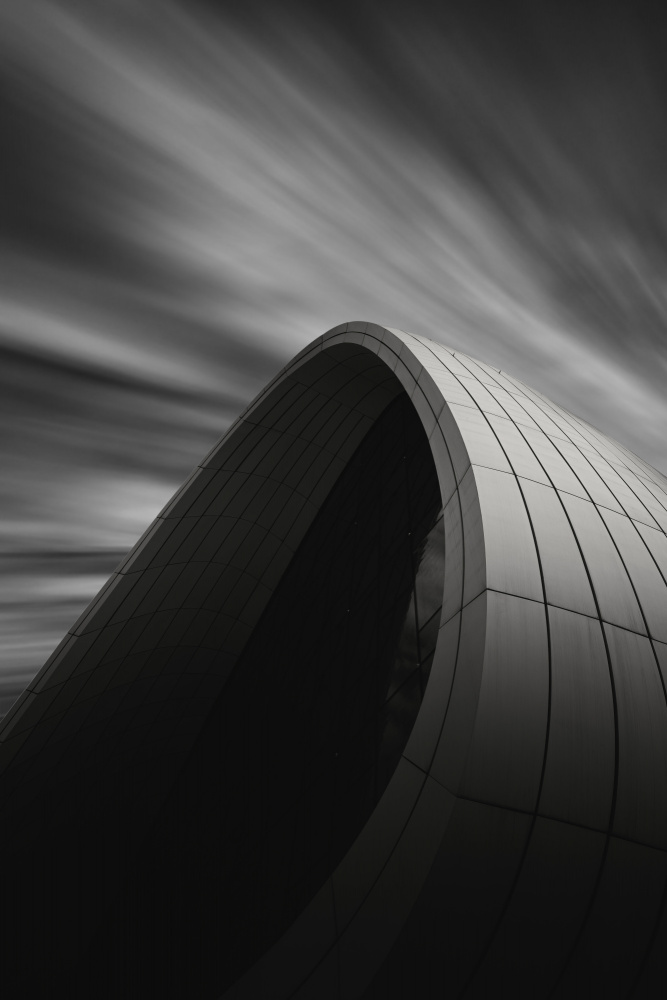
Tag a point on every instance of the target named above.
point(374, 709)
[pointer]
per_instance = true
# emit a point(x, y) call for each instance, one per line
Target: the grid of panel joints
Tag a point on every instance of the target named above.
point(632, 668)
point(364, 328)
point(514, 453)
point(641, 630)
point(127, 626)
point(583, 619)
point(615, 840)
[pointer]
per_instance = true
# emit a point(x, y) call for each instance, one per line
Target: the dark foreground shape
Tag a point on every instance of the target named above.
point(375, 709)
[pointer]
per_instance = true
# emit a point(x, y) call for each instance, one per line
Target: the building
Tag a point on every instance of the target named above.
point(375, 708)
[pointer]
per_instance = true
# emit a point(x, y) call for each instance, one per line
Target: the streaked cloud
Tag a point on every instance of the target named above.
point(190, 198)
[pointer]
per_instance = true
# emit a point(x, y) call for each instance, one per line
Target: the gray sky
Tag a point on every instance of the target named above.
point(188, 198)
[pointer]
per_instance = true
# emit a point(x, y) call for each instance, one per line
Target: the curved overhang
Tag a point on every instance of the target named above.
point(544, 720)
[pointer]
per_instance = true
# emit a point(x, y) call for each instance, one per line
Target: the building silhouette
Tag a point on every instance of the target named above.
point(375, 708)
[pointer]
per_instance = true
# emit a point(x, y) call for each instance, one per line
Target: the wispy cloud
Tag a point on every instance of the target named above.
point(191, 199)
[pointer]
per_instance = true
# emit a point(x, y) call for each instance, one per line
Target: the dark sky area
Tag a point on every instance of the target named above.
point(191, 192)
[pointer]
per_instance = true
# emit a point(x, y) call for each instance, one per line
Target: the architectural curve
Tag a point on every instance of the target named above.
point(518, 844)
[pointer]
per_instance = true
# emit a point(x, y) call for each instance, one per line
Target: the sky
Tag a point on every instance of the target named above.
point(191, 192)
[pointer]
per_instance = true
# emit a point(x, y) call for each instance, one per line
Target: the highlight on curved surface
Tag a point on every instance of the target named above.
point(375, 708)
